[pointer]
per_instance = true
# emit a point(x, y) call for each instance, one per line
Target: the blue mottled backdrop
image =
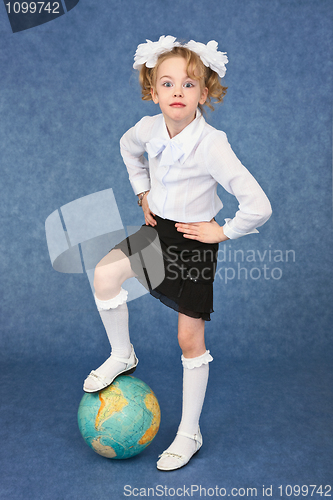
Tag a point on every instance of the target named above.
point(67, 94)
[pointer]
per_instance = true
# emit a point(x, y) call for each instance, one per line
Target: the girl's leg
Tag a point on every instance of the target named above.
point(110, 299)
point(195, 361)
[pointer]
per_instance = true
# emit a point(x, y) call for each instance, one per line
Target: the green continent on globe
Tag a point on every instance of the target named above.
point(153, 406)
point(112, 401)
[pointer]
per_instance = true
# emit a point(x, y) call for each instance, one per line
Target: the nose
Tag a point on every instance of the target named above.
point(178, 92)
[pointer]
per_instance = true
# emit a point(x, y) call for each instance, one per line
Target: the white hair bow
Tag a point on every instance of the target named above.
point(210, 56)
point(148, 53)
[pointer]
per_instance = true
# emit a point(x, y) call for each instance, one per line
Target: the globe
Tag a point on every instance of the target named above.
point(121, 420)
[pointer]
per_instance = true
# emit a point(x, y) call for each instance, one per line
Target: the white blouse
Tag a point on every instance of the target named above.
point(182, 174)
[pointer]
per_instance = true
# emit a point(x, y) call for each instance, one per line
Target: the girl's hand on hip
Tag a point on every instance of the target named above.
point(149, 215)
point(206, 232)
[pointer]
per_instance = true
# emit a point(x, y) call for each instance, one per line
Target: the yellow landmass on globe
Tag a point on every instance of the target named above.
point(108, 408)
point(153, 406)
point(101, 449)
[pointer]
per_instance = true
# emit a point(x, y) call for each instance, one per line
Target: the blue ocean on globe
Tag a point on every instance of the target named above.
point(121, 420)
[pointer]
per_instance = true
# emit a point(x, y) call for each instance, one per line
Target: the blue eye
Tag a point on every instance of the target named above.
point(167, 84)
point(188, 85)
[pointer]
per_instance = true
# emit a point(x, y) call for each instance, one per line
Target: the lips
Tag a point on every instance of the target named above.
point(177, 105)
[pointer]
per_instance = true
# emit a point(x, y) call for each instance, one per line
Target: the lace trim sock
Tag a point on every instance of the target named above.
point(105, 305)
point(195, 378)
point(114, 315)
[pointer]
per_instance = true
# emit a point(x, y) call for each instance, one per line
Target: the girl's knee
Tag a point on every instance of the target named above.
point(103, 281)
point(189, 341)
point(111, 272)
point(191, 336)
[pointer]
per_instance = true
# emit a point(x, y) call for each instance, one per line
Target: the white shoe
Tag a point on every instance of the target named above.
point(173, 461)
point(96, 382)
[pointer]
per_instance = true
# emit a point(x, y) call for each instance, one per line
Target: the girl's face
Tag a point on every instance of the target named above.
point(177, 94)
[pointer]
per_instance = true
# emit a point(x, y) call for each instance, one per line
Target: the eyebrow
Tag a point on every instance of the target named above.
point(167, 76)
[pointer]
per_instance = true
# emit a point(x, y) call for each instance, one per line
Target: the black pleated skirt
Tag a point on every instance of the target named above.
point(176, 270)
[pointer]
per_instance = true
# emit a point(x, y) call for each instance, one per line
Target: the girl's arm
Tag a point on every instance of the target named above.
point(132, 150)
point(149, 215)
point(254, 206)
point(206, 232)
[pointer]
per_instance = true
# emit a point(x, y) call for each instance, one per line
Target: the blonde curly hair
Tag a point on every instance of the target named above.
point(195, 70)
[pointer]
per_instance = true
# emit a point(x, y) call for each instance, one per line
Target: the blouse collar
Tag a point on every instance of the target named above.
point(184, 141)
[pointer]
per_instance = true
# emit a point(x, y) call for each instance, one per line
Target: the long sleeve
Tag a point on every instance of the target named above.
point(254, 206)
point(132, 150)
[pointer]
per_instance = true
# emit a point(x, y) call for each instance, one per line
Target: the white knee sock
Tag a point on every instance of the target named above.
point(195, 378)
point(114, 315)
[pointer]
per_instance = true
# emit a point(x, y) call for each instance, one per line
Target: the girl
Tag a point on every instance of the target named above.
point(176, 187)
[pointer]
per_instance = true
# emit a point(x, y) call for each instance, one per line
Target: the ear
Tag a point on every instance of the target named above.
point(204, 95)
point(154, 95)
